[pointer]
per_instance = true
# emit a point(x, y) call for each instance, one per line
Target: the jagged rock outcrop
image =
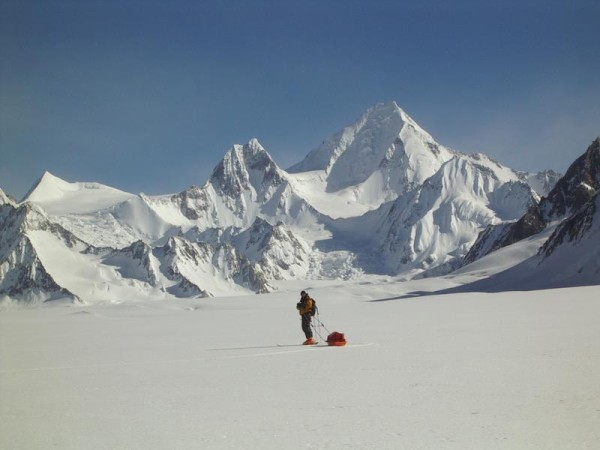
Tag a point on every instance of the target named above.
point(280, 253)
point(487, 241)
point(577, 227)
point(202, 269)
point(135, 261)
point(23, 275)
point(576, 187)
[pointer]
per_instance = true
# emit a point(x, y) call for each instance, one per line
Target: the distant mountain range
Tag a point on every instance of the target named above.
point(378, 197)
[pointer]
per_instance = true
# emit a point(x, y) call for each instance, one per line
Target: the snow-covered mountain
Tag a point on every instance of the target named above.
point(5, 199)
point(40, 260)
point(380, 196)
point(541, 182)
point(436, 223)
point(382, 155)
point(566, 254)
point(24, 273)
point(571, 192)
point(279, 252)
point(59, 197)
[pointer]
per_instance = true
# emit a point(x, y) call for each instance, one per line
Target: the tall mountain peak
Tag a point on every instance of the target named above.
point(47, 187)
point(5, 199)
point(244, 166)
point(388, 111)
point(384, 147)
point(58, 196)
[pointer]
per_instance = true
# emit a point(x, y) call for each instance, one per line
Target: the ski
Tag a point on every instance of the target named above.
point(324, 344)
point(302, 345)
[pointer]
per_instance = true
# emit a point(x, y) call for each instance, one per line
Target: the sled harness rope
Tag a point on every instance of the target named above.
point(319, 326)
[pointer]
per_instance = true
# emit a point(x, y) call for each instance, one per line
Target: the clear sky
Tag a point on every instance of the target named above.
point(147, 95)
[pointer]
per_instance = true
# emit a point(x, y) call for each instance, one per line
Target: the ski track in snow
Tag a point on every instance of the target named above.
point(185, 360)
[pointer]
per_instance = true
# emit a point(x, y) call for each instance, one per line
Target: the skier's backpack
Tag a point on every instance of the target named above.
point(336, 339)
point(313, 309)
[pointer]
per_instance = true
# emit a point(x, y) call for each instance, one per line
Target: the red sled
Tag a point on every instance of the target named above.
point(336, 339)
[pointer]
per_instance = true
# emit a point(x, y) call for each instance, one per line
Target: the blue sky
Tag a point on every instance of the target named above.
point(147, 96)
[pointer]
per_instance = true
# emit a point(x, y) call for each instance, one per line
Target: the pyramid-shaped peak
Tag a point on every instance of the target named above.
point(49, 177)
point(58, 196)
point(387, 110)
point(245, 165)
point(47, 187)
point(254, 144)
point(384, 142)
point(243, 157)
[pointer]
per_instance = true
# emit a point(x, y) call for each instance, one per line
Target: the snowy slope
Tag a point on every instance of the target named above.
point(511, 370)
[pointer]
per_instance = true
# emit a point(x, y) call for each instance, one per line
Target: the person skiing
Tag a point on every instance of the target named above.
point(306, 307)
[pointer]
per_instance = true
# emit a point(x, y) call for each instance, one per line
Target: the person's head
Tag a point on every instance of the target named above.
point(303, 294)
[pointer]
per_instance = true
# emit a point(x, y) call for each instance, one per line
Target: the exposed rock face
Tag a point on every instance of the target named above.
point(575, 228)
point(577, 187)
point(488, 241)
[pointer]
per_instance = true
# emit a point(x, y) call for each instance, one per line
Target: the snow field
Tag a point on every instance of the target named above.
point(495, 371)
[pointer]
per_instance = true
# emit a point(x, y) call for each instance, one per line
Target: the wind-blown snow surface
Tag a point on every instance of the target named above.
point(480, 371)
